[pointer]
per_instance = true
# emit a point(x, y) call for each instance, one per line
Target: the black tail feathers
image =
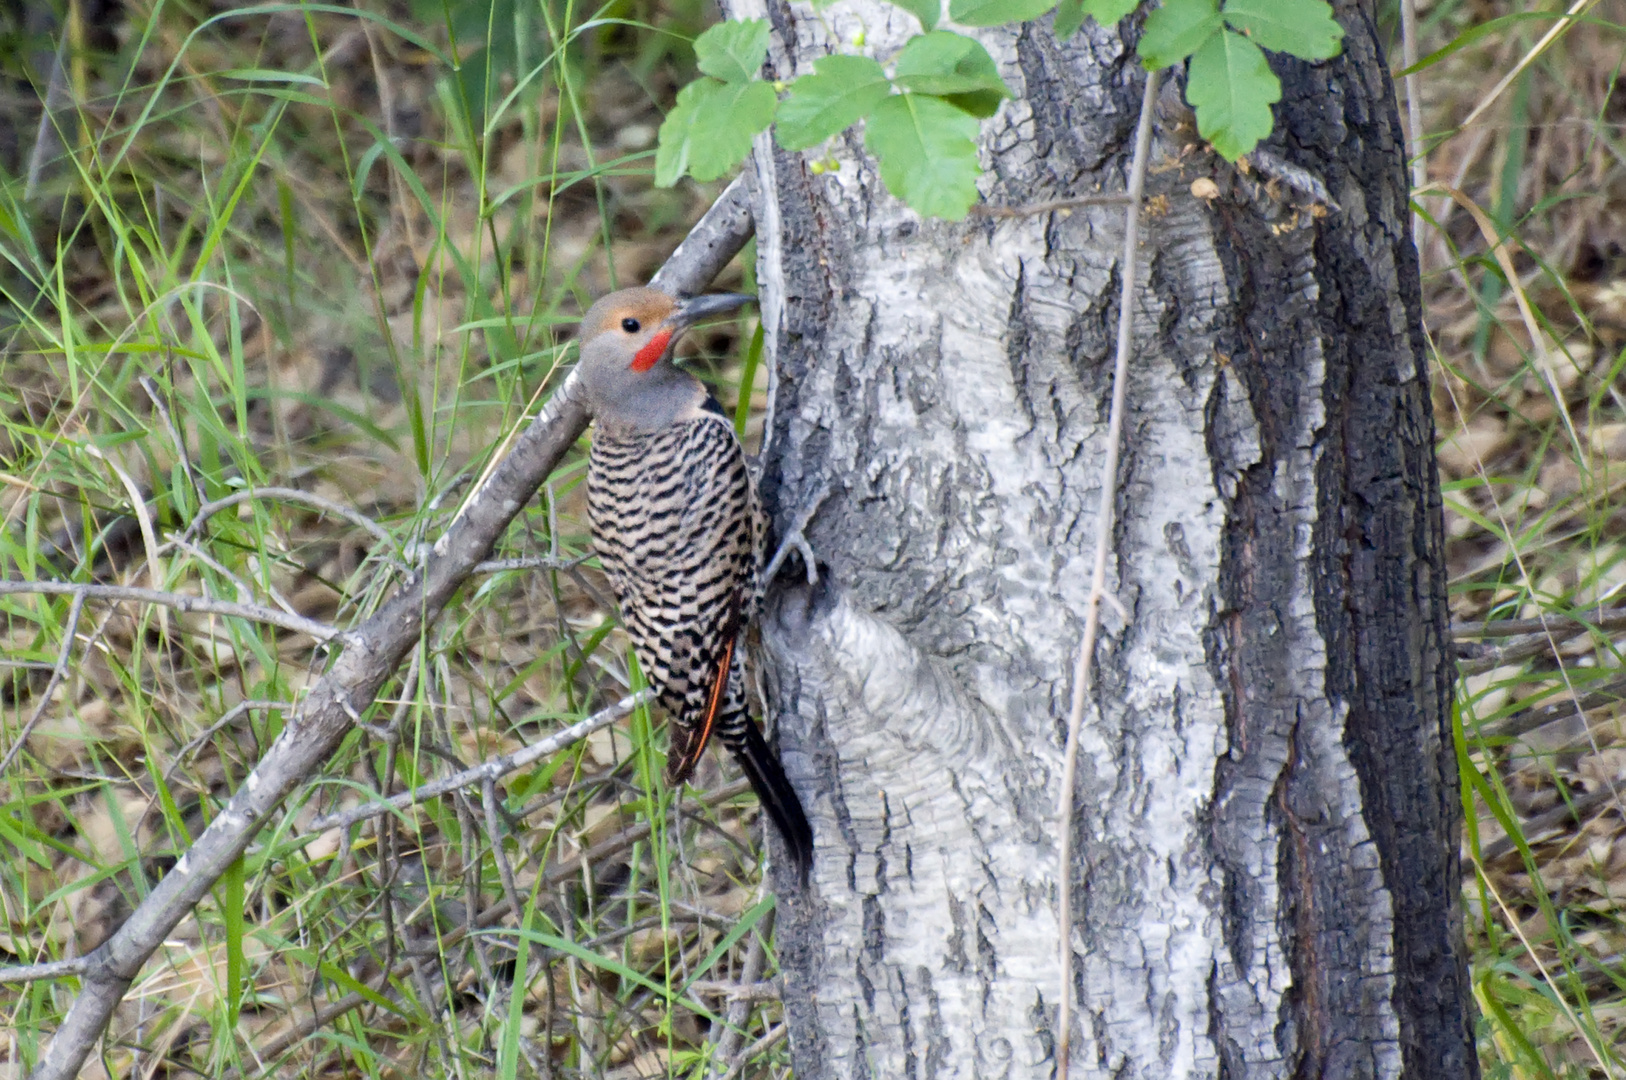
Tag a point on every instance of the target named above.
point(773, 789)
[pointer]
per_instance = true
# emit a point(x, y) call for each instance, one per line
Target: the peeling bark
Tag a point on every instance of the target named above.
point(1266, 882)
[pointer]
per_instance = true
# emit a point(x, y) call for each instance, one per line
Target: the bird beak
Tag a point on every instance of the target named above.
point(690, 311)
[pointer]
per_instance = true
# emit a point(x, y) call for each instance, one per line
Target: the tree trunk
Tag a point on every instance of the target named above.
point(1266, 881)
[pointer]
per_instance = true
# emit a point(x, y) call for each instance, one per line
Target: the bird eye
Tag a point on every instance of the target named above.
point(630, 325)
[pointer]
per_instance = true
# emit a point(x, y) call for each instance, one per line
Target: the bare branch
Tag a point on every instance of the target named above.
point(736, 991)
point(229, 717)
point(527, 562)
point(58, 673)
point(200, 605)
point(158, 403)
point(490, 770)
point(1604, 619)
point(56, 969)
point(762, 1045)
point(293, 495)
point(713, 242)
point(726, 1038)
point(373, 650)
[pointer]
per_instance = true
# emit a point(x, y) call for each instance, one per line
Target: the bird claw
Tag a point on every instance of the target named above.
point(796, 539)
point(796, 542)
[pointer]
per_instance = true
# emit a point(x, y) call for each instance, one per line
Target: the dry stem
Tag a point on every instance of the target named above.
point(1103, 541)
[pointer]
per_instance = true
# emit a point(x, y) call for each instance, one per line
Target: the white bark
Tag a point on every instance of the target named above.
point(940, 393)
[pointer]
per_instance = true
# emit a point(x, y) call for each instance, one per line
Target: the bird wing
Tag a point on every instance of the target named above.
point(688, 742)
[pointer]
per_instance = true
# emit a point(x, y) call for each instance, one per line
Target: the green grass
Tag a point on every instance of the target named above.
point(1526, 396)
point(311, 247)
point(334, 250)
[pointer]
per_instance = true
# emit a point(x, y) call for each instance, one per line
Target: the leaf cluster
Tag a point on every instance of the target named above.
point(920, 120)
point(1229, 82)
point(922, 116)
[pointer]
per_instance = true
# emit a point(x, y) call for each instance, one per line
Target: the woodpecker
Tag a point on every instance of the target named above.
point(679, 530)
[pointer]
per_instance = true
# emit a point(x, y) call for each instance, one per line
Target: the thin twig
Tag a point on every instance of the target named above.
point(775, 1035)
point(293, 495)
point(1485, 658)
point(1535, 829)
point(1098, 580)
point(55, 969)
point(490, 770)
point(736, 991)
point(528, 562)
point(1556, 709)
point(497, 834)
point(245, 594)
point(199, 605)
point(726, 1038)
point(230, 716)
point(158, 403)
point(58, 673)
point(1606, 620)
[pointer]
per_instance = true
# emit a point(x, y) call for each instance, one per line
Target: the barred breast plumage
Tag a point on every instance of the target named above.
point(678, 529)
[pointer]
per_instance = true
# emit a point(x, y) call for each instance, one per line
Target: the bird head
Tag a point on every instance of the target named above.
point(626, 368)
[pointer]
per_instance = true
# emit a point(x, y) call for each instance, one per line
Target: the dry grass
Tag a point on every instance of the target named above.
point(1533, 456)
point(291, 248)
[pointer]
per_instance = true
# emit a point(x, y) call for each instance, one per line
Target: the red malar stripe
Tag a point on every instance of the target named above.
point(652, 352)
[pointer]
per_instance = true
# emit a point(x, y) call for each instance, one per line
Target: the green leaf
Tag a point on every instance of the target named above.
point(842, 93)
point(997, 12)
point(710, 130)
point(733, 51)
point(1232, 88)
point(928, 153)
point(1107, 12)
point(927, 11)
point(1069, 17)
point(1176, 30)
point(742, 408)
point(265, 75)
point(1301, 28)
point(740, 929)
point(953, 67)
point(232, 909)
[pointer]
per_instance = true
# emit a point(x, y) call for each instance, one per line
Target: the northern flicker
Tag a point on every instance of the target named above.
point(678, 528)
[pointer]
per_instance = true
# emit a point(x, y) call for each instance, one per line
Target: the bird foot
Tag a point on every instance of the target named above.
point(796, 542)
point(796, 539)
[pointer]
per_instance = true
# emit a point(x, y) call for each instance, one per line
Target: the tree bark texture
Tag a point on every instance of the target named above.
point(1267, 878)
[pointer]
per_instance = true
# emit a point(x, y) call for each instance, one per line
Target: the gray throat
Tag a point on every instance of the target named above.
point(628, 401)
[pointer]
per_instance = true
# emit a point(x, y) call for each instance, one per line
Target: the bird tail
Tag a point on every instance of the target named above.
point(768, 780)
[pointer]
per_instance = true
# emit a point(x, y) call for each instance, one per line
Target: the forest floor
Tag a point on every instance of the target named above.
point(308, 256)
point(1528, 399)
